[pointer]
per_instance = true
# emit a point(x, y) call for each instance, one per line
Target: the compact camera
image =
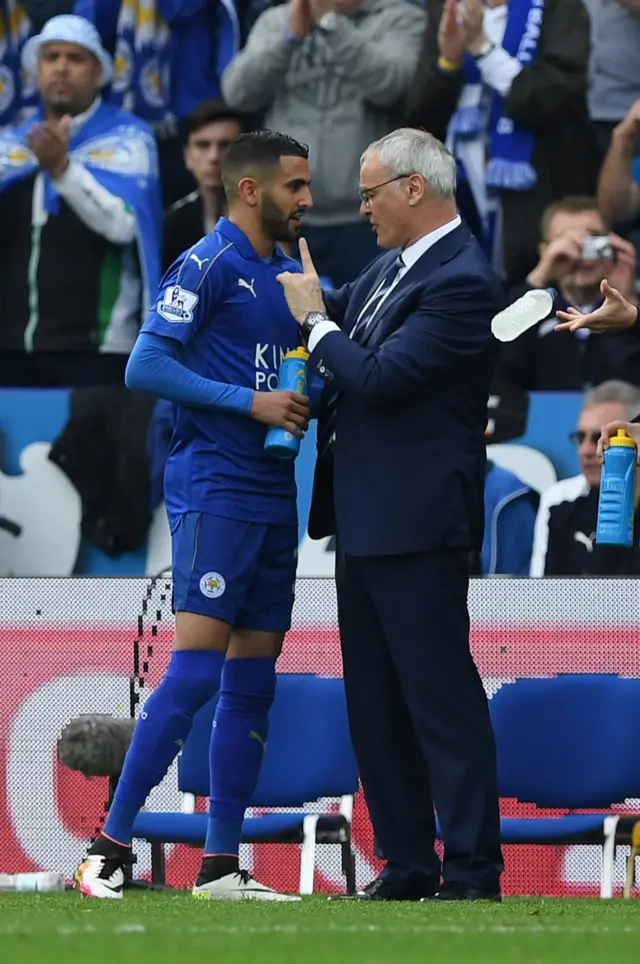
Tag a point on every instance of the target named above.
point(596, 248)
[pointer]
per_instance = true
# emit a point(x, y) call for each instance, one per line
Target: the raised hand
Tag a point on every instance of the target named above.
point(558, 260)
point(302, 291)
point(615, 314)
point(286, 410)
point(50, 142)
point(299, 19)
point(622, 272)
point(320, 7)
point(451, 35)
point(629, 126)
point(473, 26)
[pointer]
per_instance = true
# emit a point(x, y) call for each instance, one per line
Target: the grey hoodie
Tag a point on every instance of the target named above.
point(614, 66)
point(336, 91)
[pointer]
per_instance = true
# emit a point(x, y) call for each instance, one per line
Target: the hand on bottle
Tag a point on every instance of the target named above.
point(286, 410)
point(632, 430)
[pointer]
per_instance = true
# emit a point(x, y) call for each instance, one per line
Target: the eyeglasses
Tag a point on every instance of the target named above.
point(579, 437)
point(367, 193)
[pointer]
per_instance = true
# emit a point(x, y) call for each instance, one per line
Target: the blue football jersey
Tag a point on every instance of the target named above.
point(222, 302)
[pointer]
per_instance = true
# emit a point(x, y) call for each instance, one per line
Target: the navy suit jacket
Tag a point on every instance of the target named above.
point(407, 469)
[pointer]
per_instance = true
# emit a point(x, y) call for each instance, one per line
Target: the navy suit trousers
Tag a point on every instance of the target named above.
point(419, 715)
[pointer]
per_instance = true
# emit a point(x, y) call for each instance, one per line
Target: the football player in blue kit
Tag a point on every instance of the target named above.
point(212, 345)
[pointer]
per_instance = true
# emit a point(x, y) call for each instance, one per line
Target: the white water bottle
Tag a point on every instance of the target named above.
point(527, 311)
point(44, 882)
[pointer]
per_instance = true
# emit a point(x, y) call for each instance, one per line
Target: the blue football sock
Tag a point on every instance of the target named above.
point(191, 680)
point(238, 740)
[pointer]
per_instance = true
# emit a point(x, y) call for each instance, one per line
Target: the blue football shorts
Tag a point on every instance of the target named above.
point(241, 572)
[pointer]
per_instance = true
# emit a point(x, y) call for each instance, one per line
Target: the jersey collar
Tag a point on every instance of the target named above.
point(232, 233)
point(237, 237)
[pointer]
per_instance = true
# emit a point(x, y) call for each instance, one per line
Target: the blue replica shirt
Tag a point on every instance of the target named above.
point(222, 302)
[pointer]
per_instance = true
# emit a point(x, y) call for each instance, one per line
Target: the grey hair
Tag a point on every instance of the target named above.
point(614, 390)
point(412, 151)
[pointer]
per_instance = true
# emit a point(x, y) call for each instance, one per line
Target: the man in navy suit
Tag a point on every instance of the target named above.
point(407, 355)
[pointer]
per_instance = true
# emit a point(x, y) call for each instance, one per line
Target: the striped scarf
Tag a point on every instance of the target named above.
point(141, 81)
point(18, 95)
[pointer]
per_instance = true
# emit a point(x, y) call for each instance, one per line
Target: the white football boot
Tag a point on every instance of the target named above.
point(238, 886)
point(99, 876)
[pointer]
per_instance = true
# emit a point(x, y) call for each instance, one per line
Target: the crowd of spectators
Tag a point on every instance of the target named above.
point(109, 121)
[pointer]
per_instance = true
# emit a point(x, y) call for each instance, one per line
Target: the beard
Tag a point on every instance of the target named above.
point(58, 108)
point(74, 103)
point(276, 222)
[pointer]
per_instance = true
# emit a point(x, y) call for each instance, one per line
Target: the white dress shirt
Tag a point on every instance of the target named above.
point(409, 257)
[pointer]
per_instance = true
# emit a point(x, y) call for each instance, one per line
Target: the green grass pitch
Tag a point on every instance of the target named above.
point(171, 928)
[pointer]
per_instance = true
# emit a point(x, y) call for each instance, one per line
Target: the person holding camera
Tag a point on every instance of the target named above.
point(577, 253)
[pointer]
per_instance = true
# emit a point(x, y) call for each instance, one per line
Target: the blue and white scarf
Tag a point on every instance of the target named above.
point(119, 151)
point(18, 93)
point(142, 79)
point(511, 146)
point(479, 130)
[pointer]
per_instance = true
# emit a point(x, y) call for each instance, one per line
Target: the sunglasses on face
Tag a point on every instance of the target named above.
point(578, 437)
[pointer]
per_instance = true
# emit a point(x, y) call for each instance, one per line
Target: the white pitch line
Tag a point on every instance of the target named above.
point(295, 929)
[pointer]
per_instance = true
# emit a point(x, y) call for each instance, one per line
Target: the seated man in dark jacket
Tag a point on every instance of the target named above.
point(564, 539)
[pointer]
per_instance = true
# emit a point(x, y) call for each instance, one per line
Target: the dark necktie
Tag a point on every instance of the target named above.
point(373, 302)
point(357, 332)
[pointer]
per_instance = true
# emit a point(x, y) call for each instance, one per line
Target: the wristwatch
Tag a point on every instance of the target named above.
point(312, 319)
point(486, 49)
point(328, 21)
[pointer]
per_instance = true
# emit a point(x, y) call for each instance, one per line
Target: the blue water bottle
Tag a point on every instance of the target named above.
point(292, 377)
point(616, 504)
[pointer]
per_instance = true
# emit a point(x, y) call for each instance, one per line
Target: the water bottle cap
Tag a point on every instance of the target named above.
point(300, 353)
point(622, 439)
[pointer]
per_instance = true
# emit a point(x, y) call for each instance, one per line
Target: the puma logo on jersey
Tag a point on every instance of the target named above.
point(585, 540)
point(198, 261)
point(245, 284)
